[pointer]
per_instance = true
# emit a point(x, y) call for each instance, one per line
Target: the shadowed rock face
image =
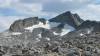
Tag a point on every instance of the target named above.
point(72, 19)
point(42, 20)
point(30, 21)
point(90, 24)
point(19, 25)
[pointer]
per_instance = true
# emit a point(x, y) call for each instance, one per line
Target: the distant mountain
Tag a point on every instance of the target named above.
point(72, 19)
point(40, 29)
point(90, 24)
point(66, 32)
point(19, 25)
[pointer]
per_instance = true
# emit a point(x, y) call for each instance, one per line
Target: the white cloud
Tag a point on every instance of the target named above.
point(6, 21)
point(90, 12)
point(80, 1)
point(59, 6)
point(30, 9)
point(24, 8)
point(7, 3)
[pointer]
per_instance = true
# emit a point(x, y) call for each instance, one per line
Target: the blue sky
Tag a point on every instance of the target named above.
point(11, 10)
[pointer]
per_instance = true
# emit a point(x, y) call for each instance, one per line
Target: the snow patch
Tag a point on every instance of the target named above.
point(81, 34)
point(38, 25)
point(16, 33)
point(48, 25)
point(47, 38)
point(66, 29)
point(56, 33)
point(89, 30)
point(40, 35)
point(8, 34)
point(37, 39)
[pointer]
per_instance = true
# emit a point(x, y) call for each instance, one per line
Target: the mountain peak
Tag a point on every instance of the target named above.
point(20, 24)
point(69, 18)
point(67, 13)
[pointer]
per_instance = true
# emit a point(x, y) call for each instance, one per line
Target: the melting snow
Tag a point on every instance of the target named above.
point(56, 33)
point(40, 35)
point(8, 34)
point(16, 33)
point(66, 29)
point(48, 25)
point(38, 25)
point(47, 39)
point(37, 39)
point(81, 34)
point(89, 30)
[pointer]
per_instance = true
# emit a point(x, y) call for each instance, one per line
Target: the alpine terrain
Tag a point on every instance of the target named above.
point(64, 35)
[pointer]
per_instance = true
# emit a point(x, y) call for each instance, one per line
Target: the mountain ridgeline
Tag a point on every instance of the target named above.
point(66, 18)
point(65, 35)
point(72, 19)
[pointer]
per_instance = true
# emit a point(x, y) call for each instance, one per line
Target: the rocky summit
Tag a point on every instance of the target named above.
point(64, 35)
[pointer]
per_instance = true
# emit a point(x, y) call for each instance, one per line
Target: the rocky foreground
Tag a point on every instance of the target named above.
point(87, 45)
